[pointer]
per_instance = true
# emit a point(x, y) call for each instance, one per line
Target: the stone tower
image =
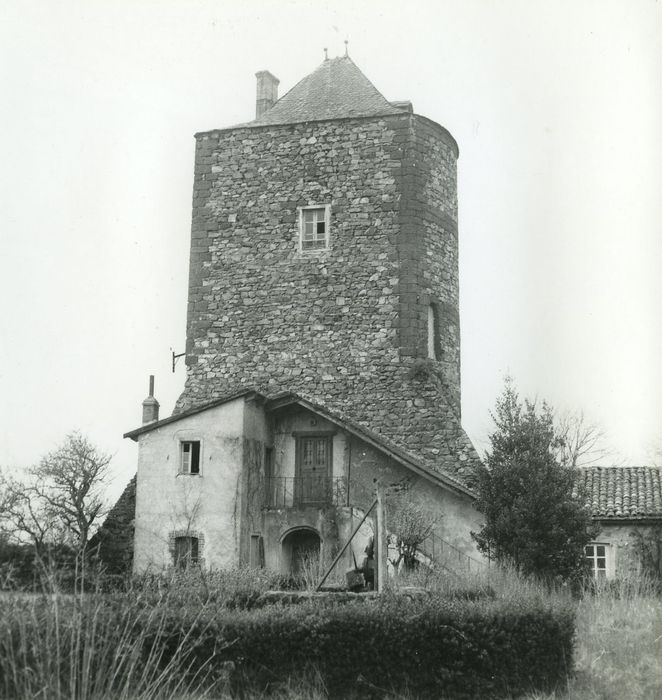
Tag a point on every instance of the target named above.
point(324, 261)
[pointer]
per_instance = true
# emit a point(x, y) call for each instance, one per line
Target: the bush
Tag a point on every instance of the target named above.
point(22, 568)
point(432, 647)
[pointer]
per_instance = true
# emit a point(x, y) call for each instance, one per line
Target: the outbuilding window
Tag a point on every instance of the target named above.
point(314, 228)
point(597, 558)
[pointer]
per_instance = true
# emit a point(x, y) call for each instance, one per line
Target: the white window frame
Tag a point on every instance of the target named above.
point(599, 572)
point(327, 227)
point(186, 468)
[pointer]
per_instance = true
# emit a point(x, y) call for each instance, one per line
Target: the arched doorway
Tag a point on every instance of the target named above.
point(301, 552)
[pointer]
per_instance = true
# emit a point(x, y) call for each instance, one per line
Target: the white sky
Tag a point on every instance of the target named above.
point(557, 109)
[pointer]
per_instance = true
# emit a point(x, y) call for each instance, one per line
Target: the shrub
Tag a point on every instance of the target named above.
point(432, 647)
point(177, 640)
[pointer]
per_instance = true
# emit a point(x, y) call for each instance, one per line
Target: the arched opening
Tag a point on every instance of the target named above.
point(301, 552)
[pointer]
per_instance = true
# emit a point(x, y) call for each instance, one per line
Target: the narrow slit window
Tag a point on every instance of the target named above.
point(433, 332)
point(190, 457)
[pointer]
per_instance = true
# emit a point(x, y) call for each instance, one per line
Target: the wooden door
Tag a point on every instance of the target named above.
point(313, 470)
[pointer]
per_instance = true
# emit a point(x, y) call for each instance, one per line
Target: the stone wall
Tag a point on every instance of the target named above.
point(114, 539)
point(428, 249)
point(344, 326)
point(623, 557)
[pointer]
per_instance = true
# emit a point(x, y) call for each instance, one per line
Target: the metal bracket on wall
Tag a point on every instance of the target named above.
point(175, 358)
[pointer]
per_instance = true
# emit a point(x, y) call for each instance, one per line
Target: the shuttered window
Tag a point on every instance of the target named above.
point(190, 457)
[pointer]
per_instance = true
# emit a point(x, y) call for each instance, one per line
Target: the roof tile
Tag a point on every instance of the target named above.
point(623, 492)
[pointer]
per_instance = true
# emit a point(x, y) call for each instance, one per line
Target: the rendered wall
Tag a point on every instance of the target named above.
point(256, 436)
point(456, 516)
point(205, 505)
point(360, 464)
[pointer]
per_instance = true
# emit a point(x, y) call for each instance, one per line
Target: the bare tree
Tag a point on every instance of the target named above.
point(580, 442)
point(409, 525)
point(22, 515)
point(60, 499)
point(69, 483)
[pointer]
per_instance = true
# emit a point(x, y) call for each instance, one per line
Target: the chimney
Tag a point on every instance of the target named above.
point(267, 92)
point(150, 404)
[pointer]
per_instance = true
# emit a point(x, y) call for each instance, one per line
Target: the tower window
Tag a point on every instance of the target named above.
point(433, 333)
point(189, 457)
point(314, 227)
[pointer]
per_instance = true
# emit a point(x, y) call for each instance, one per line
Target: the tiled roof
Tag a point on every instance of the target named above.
point(336, 89)
point(623, 492)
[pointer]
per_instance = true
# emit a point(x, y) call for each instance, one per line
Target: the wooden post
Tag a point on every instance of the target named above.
point(342, 551)
point(381, 544)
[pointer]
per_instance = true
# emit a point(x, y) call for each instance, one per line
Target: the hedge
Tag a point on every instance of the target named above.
point(433, 648)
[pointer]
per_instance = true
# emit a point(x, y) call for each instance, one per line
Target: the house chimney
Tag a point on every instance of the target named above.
point(267, 92)
point(150, 404)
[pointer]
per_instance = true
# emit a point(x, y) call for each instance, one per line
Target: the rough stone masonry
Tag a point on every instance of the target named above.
point(346, 326)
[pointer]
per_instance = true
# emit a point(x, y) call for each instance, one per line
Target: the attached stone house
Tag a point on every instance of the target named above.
point(626, 502)
point(323, 337)
point(255, 480)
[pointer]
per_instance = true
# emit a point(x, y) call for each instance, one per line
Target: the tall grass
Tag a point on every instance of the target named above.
point(88, 646)
point(120, 645)
point(618, 648)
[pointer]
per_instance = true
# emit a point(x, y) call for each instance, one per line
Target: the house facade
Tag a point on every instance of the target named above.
point(626, 504)
point(323, 345)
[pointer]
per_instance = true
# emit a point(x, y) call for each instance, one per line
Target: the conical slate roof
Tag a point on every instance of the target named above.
point(336, 89)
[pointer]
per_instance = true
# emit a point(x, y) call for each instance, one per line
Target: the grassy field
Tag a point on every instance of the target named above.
point(618, 650)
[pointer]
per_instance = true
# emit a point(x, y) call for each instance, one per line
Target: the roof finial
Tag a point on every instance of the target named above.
point(326, 54)
point(346, 42)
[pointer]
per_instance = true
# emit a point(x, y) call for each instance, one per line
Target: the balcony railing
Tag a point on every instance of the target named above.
point(297, 492)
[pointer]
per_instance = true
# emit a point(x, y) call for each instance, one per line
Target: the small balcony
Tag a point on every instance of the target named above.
point(311, 491)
